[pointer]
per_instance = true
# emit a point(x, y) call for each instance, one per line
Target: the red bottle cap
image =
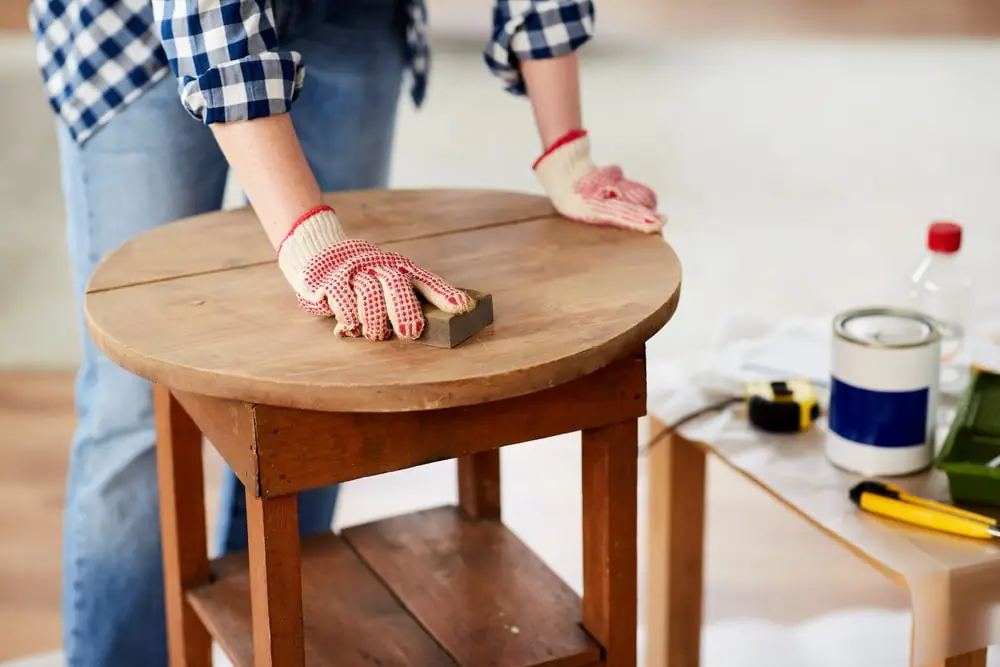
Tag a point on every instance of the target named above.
point(944, 237)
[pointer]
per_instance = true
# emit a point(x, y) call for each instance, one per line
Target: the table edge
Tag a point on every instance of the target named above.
point(378, 398)
point(893, 575)
point(383, 398)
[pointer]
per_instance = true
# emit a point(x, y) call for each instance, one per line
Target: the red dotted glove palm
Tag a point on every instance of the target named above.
point(585, 192)
point(369, 291)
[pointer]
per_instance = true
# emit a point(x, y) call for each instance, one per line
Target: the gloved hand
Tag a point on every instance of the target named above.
point(365, 288)
point(582, 191)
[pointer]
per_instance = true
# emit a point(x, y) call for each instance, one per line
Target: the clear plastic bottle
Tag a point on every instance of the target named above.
point(940, 287)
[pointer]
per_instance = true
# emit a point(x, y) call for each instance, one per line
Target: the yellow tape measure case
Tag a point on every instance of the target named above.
point(782, 407)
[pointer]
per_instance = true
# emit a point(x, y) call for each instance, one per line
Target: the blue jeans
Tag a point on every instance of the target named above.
point(150, 165)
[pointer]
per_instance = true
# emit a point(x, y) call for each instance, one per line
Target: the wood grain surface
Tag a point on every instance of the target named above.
point(675, 584)
point(799, 572)
point(223, 322)
point(275, 580)
point(350, 618)
point(232, 239)
point(298, 450)
point(182, 516)
point(609, 480)
point(970, 659)
point(484, 596)
point(279, 451)
point(949, 580)
point(479, 485)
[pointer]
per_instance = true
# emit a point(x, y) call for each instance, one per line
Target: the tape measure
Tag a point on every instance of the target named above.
point(788, 406)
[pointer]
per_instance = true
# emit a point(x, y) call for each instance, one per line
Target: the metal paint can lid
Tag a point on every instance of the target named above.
point(891, 328)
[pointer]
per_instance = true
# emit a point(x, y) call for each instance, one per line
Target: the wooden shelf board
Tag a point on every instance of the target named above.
point(480, 591)
point(350, 619)
point(429, 589)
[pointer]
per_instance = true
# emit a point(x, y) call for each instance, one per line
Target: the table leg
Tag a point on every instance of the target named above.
point(674, 556)
point(275, 581)
point(182, 520)
point(971, 659)
point(479, 485)
point(610, 479)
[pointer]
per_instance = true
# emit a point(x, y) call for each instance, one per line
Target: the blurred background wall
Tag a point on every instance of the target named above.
point(656, 18)
point(629, 19)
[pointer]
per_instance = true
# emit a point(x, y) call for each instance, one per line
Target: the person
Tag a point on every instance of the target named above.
point(297, 97)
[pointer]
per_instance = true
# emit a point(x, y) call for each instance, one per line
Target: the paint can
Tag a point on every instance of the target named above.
point(885, 368)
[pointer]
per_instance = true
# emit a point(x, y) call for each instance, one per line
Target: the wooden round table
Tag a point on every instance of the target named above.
point(200, 308)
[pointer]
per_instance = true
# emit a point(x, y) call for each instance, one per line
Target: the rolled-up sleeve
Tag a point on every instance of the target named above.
point(226, 58)
point(534, 29)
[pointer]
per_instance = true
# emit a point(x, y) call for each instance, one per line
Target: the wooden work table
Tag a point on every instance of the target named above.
point(200, 308)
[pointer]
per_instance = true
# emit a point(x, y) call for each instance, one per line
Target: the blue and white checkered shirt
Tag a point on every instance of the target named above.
point(96, 56)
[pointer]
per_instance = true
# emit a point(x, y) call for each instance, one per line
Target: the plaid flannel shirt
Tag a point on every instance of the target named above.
point(96, 56)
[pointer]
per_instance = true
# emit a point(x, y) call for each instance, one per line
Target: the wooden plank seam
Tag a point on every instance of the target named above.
point(383, 244)
point(258, 485)
point(401, 603)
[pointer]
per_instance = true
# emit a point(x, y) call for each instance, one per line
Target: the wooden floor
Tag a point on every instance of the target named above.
point(36, 423)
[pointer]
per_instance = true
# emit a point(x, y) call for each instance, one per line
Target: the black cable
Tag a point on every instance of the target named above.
point(714, 407)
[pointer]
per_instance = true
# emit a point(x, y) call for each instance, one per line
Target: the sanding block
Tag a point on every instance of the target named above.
point(446, 330)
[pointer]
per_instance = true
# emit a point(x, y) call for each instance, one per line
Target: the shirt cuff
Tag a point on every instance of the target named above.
point(544, 29)
point(260, 85)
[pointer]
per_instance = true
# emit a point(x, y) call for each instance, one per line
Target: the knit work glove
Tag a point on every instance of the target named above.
point(582, 191)
point(368, 290)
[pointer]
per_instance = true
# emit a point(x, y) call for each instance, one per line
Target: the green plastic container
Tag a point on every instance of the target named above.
point(974, 441)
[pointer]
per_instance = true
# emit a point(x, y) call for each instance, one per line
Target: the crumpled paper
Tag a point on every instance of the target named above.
point(745, 349)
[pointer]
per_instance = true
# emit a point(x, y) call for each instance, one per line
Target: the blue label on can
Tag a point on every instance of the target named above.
point(879, 418)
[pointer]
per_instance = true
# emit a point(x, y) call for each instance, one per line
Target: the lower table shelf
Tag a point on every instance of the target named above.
point(428, 589)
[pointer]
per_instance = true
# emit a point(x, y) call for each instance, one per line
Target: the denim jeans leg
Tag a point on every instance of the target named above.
point(346, 115)
point(345, 118)
point(152, 164)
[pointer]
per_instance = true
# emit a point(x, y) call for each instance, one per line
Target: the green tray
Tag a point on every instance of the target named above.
point(973, 441)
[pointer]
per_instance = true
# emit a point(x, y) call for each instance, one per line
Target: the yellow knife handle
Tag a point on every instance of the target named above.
point(925, 517)
point(933, 504)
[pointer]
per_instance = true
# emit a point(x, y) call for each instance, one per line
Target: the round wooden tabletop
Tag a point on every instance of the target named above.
point(201, 306)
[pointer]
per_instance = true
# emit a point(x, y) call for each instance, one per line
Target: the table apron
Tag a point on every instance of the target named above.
point(278, 451)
